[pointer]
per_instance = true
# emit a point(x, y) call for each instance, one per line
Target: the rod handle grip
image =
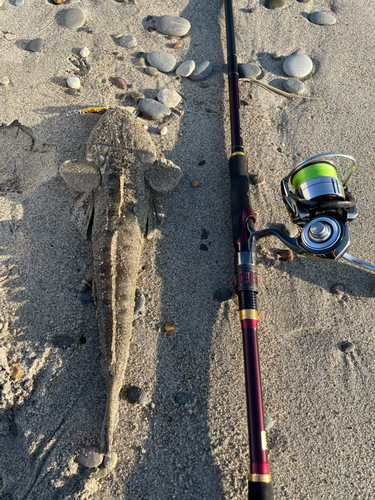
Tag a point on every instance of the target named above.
point(260, 491)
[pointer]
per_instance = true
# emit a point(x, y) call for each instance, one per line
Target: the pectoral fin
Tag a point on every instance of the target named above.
point(82, 176)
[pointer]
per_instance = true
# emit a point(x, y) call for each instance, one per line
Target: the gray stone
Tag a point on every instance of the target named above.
point(294, 85)
point(172, 25)
point(18, 3)
point(223, 294)
point(338, 288)
point(89, 458)
point(185, 69)
point(137, 96)
point(268, 423)
point(249, 70)
point(322, 18)
point(140, 62)
point(347, 347)
point(153, 109)
point(184, 399)
point(110, 462)
point(202, 70)
point(127, 41)
point(258, 179)
point(275, 4)
point(291, 230)
point(35, 45)
point(162, 61)
point(134, 395)
point(140, 301)
point(73, 18)
point(297, 65)
point(150, 70)
point(277, 56)
point(163, 175)
point(169, 98)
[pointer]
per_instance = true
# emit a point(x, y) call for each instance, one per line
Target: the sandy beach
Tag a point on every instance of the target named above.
point(321, 400)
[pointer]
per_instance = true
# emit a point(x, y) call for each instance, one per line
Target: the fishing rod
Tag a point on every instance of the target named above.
point(321, 205)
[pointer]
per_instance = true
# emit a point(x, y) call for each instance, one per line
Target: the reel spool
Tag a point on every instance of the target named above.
point(318, 190)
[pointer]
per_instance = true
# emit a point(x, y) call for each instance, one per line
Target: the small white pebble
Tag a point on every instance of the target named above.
point(164, 131)
point(145, 127)
point(4, 80)
point(74, 82)
point(85, 52)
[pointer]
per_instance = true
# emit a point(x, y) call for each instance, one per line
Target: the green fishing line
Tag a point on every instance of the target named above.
point(312, 172)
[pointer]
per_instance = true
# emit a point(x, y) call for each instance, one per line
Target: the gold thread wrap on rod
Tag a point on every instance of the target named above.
point(260, 478)
point(248, 314)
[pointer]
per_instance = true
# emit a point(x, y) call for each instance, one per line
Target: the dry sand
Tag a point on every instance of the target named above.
point(320, 399)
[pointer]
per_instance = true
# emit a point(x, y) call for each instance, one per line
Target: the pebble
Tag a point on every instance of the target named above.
point(275, 4)
point(286, 255)
point(100, 473)
point(163, 175)
point(137, 96)
point(10, 36)
point(169, 327)
point(1, 4)
point(86, 296)
point(202, 70)
point(121, 83)
point(153, 109)
point(85, 52)
point(172, 25)
point(18, 3)
point(35, 45)
point(347, 347)
point(295, 86)
point(223, 294)
point(249, 70)
point(89, 458)
point(247, 102)
point(169, 98)
point(322, 18)
point(297, 65)
point(177, 45)
point(62, 341)
point(122, 58)
point(268, 423)
point(73, 18)
point(58, 1)
point(139, 302)
point(338, 288)
point(4, 80)
point(184, 399)
point(74, 82)
point(72, 91)
point(164, 131)
point(291, 230)
point(185, 69)
point(258, 179)
point(253, 9)
point(150, 70)
point(140, 62)
point(195, 184)
point(110, 462)
point(16, 371)
point(277, 56)
point(134, 394)
point(162, 61)
point(127, 41)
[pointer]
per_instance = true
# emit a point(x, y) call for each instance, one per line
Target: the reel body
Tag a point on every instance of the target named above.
point(321, 205)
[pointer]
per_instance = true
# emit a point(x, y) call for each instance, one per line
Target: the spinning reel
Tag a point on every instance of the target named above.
point(322, 206)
